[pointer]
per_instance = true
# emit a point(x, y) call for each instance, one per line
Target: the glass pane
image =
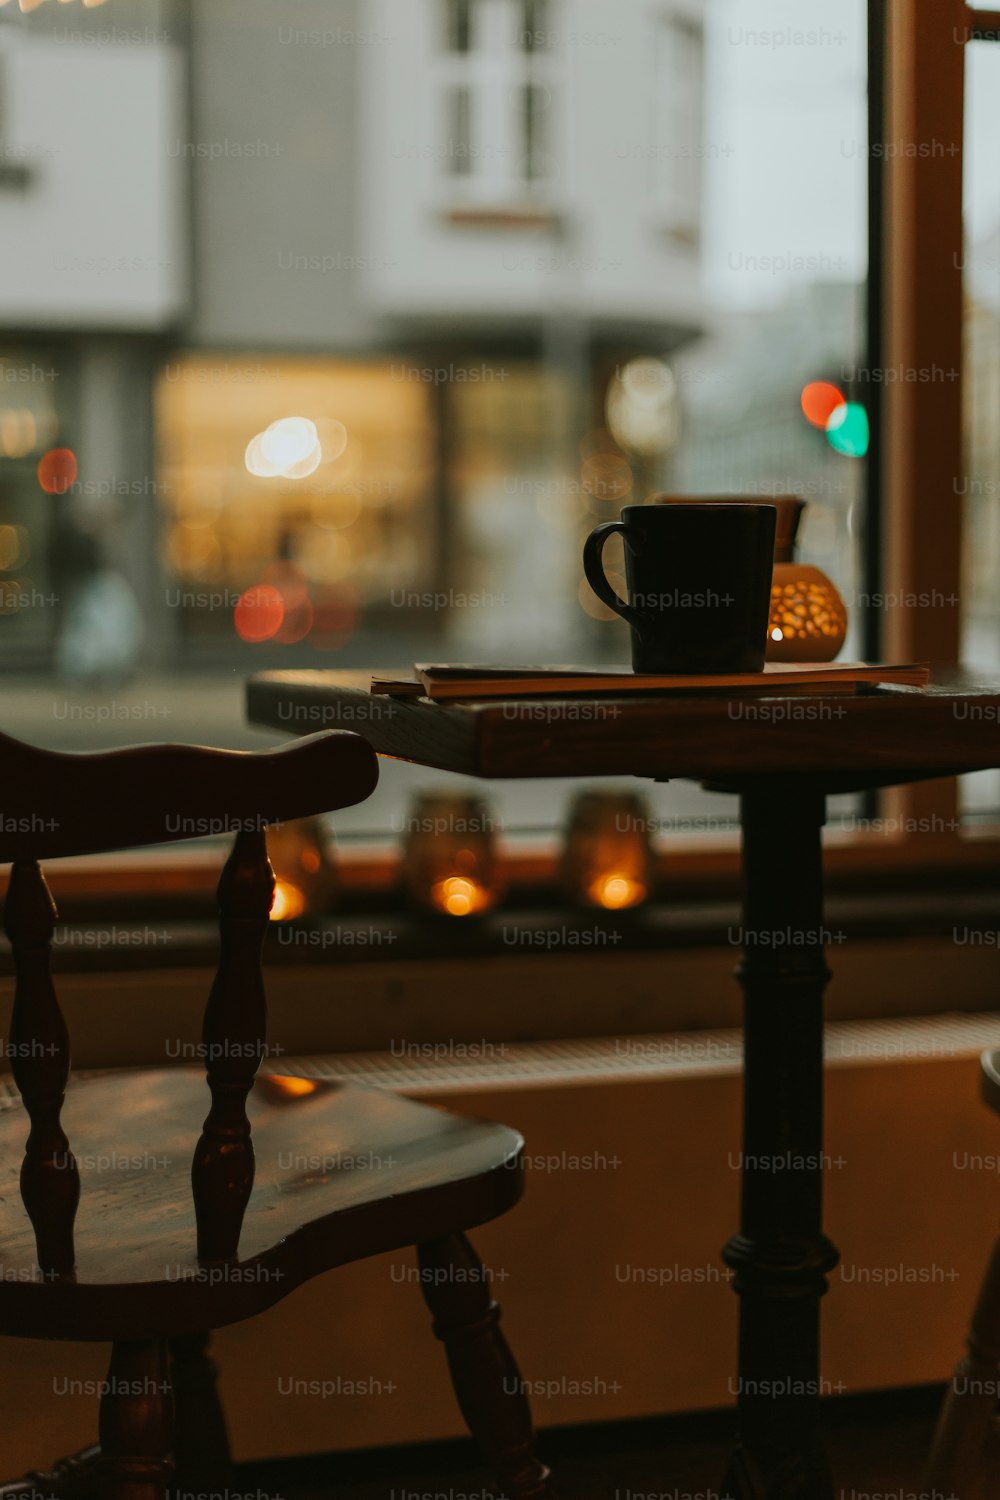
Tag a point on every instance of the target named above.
point(460, 148)
point(349, 364)
point(979, 486)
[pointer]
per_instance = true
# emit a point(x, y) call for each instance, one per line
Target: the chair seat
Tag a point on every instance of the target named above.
point(342, 1173)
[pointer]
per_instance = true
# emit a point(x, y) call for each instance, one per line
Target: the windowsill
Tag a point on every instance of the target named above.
point(512, 216)
point(387, 933)
point(180, 883)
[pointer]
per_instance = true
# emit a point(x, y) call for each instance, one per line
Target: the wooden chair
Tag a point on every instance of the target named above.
point(965, 1457)
point(161, 1257)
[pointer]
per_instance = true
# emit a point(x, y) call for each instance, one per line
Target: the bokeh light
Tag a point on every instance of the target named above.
point(259, 613)
point(847, 430)
point(616, 891)
point(459, 895)
point(288, 441)
point(18, 432)
point(12, 547)
point(289, 902)
point(57, 470)
point(643, 407)
point(820, 399)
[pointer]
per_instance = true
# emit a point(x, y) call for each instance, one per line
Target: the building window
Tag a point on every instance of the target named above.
point(677, 147)
point(460, 146)
point(494, 76)
point(458, 25)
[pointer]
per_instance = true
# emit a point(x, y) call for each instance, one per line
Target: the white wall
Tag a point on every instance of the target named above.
point(96, 241)
point(606, 256)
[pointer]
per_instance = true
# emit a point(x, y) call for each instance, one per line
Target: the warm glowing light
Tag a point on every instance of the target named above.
point(847, 430)
point(259, 613)
point(288, 903)
point(643, 408)
point(18, 432)
point(305, 466)
point(459, 896)
point(10, 547)
point(615, 891)
point(255, 461)
point(808, 618)
point(820, 399)
point(289, 441)
point(333, 437)
point(290, 447)
point(292, 1088)
point(57, 470)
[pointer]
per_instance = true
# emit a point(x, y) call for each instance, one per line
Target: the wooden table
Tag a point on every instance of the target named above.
point(783, 756)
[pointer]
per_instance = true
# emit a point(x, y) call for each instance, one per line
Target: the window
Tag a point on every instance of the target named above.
point(494, 73)
point(458, 24)
point(489, 273)
point(677, 144)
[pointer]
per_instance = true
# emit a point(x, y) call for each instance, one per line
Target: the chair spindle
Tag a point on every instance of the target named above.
point(40, 1062)
point(233, 1034)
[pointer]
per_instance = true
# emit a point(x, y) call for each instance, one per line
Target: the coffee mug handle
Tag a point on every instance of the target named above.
point(593, 567)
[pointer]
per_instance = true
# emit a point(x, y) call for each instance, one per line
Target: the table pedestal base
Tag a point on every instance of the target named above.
point(780, 1255)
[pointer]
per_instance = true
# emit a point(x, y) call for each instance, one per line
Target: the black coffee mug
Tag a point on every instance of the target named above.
point(699, 584)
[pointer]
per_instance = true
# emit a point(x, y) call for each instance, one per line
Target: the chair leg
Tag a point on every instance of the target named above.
point(201, 1443)
point(136, 1423)
point(483, 1371)
point(965, 1456)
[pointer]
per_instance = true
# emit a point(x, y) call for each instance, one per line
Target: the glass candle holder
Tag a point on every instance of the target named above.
point(607, 859)
point(305, 874)
point(450, 865)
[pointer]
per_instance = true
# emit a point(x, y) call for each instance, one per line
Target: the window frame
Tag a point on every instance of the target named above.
point(918, 295)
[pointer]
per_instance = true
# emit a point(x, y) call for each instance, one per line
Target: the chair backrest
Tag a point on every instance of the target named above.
point(58, 804)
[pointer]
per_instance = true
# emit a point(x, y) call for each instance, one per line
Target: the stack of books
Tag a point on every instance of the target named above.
point(442, 681)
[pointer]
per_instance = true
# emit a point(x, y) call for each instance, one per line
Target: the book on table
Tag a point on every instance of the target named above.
point(442, 681)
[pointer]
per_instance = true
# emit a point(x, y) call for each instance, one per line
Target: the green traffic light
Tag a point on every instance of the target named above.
point(847, 429)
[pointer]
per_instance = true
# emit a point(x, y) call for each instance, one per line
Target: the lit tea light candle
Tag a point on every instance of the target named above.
point(608, 859)
point(305, 876)
point(449, 862)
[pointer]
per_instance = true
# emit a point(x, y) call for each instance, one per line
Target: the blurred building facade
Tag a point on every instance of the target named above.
point(412, 224)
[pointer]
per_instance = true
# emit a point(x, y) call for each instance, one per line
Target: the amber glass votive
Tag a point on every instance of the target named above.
point(607, 859)
point(450, 865)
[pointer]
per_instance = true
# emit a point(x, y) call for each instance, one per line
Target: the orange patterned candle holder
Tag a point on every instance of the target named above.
point(808, 620)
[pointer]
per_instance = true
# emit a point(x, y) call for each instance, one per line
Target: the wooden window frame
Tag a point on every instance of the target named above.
point(920, 51)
